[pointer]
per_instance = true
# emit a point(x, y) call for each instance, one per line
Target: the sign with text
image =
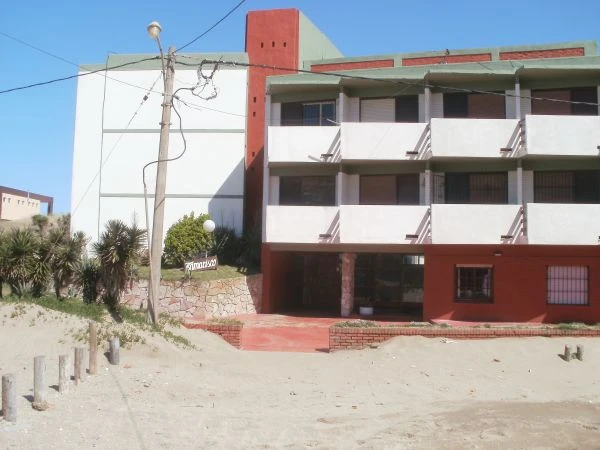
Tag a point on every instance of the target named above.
point(208, 263)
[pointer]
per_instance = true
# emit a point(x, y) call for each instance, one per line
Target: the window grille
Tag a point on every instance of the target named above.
point(567, 285)
point(474, 283)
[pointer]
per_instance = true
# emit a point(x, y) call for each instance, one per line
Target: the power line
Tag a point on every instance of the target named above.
point(78, 75)
point(382, 80)
point(230, 12)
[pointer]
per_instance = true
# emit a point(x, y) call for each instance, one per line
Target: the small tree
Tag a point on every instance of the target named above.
point(186, 239)
point(117, 251)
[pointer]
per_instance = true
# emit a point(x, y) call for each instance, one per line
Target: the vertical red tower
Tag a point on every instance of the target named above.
point(271, 39)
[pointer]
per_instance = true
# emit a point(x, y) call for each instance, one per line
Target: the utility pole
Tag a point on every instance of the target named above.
point(159, 195)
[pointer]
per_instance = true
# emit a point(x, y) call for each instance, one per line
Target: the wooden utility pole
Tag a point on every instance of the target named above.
point(161, 182)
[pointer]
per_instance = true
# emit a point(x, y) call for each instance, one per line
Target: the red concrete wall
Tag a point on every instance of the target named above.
point(277, 269)
point(540, 54)
point(377, 64)
point(271, 39)
point(450, 59)
point(519, 283)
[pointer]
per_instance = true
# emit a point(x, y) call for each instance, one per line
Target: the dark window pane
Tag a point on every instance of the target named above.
point(310, 114)
point(291, 114)
point(553, 187)
point(457, 187)
point(307, 191)
point(586, 95)
point(486, 106)
point(488, 188)
point(407, 108)
point(587, 186)
point(328, 114)
point(561, 107)
point(474, 284)
point(408, 189)
point(377, 190)
point(456, 105)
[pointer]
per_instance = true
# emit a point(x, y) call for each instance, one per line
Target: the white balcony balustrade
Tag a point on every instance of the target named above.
point(303, 224)
point(476, 224)
point(563, 135)
point(384, 224)
point(304, 144)
point(563, 224)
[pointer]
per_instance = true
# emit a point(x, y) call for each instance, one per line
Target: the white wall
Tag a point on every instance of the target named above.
point(15, 207)
point(481, 138)
point(350, 189)
point(303, 144)
point(302, 224)
point(474, 224)
point(209, 177)
point(382, 141)
point(563, 135)
point(563, 224)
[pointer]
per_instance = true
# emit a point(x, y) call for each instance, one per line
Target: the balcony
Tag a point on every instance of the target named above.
point(475, 138)
point(384, 224)
point(303, 224)
point(304, 144)
point(384, 141)
point(563, 224)
point(563, 135)
point(476, 224)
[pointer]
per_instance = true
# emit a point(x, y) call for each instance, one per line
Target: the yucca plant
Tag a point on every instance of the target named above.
point(117, 251)
point(87, 276)
point(23, 266)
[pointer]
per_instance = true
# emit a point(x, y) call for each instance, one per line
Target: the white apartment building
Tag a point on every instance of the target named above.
point(117, 130)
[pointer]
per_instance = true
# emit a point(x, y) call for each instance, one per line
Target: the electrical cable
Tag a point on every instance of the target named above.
point(78, 75)
point(230, 12)
point(382, 80)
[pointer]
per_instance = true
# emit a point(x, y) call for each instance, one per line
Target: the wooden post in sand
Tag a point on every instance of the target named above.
point(63, 380)
point(9, 398)
point(567, 355)
point(78, 366)
point(39, 383)
point(93, 348)
point(114, 351)
point(579, 353)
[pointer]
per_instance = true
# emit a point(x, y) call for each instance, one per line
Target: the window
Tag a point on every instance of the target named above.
point(308, 114)
point(477, 188)
point(474, 283)
point(567, 285)
point(474, 106)
point(401, 189)
point(562, 106)
point(307, 190)
point(407, 108)
point(582, 186)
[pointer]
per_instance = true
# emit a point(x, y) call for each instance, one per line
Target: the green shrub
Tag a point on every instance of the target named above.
point(87, 277)
point(227, 245)
point(186, 239)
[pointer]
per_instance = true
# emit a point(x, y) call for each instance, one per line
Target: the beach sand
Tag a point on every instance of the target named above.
point(410, 392)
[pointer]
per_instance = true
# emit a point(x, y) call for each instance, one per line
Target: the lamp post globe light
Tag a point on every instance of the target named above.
point(154, 30)
point(208, 226)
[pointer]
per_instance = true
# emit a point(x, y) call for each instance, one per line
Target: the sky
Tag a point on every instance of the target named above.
point(36, 128)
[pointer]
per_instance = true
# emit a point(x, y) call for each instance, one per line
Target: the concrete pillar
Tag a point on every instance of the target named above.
point(348, 262)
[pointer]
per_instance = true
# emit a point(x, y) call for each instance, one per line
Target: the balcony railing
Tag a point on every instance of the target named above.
point(475, 138)
point(563, 135)
point(476, 224)
point(563, 224)
point(303, 224)
point(304, 144)
point(384, 224)
point(384, 141)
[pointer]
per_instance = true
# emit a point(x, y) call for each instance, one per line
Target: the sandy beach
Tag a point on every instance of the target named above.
point(410, 392)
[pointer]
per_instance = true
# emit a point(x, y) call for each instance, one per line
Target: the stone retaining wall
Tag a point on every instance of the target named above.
point(192, 299)
point(341, 338)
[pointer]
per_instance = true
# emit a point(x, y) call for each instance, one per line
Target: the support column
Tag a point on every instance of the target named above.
point(266, 172)
point(427, 96)
point(517, 98)
point(348, 263)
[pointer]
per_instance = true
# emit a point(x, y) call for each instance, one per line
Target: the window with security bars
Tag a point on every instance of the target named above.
point(474, 284)
point(567, 285)
point(477, 188)
point(308, 114)
point(579, 186)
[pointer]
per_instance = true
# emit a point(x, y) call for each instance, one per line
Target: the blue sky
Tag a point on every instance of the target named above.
point(37, 124)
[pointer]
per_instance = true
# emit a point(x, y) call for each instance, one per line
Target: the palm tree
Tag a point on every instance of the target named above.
point(117, 250)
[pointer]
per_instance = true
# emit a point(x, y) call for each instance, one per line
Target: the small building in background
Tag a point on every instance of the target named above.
point(16, 204)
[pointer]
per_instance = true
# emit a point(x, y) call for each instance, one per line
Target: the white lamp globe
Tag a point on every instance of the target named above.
point(208, 226)
point(154, 30)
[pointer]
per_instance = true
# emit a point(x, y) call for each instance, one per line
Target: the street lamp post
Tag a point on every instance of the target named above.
point(154, 30)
